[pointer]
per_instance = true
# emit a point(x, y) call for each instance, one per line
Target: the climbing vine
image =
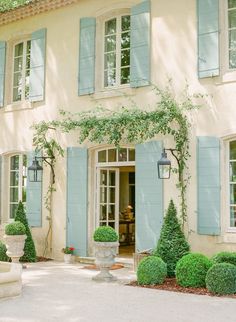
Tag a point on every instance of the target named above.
point(130, 125)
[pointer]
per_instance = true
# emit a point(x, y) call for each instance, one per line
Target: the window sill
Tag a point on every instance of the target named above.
point(226, 77)
point(19, 106)
point(114, 92)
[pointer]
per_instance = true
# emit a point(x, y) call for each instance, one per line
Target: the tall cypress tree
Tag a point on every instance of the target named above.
point(29, 249)
point(172, 244)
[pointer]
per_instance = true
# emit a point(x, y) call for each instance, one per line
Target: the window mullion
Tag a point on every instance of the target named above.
point(24, 68)
point(20, 178)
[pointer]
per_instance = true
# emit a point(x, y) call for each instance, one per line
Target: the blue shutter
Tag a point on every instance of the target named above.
point(87, 55)
point(208, 38)
point(140, 45)
point(0, 188)
point(148, 195)
point(2, 71)
point(37, 65)
point(33, 198)
point(77, 200)
point(208, 166)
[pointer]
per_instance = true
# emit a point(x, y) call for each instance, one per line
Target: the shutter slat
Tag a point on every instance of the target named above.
point(37, 65)
point(208, 38)
point(148, 195)
point(208, 171)
point(87, 56)
point(77, 200)
point(33, 198)
point(2, 71)
point(140, 45)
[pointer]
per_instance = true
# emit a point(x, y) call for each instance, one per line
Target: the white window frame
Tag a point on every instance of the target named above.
point(20, 183)
point(23, 98)
point(116, 163)
point(227, 33)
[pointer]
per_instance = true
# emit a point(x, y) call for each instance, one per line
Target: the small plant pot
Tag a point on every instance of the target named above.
point(105, 253)
point(15, 246)
point(67, 258)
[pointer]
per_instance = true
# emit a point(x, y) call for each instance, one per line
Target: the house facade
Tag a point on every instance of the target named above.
point(76, 55)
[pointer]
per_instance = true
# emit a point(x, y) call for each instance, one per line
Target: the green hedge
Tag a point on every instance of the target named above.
point(191, 270)
point(15, 228)
point(151, 270)
point(221, 279)
point(105, 234)
point(224, 257)
point(3, 255)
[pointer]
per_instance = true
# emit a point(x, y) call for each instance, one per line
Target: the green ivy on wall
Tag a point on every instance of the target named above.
point(6, 5)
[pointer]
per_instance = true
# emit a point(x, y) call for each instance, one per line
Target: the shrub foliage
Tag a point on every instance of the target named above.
point(172, 244)
point(3, 255)
point(224, 257)
point(191, 270)
point(29, 248)
point(105, 234)
point(221, 279)
point(151, 270)
point(15, 228)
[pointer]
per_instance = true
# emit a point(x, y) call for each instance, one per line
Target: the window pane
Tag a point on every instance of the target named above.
point(125, 75)
point(13, 208)
point(14, 178)
point(112, 178)
point(232, 3)
point(19, 50)
point(110, 43)
point(28, 47)
point(131, 154)
point(111, 224)
point(125, 57)
point(122, 154)
point(232, 18)
point(103, 212)
point(110, 60)
point(15, 162)
point(14, 194)
point(102, 156)
point(18, 63)
point(103, 178)
point(232, 59)
point(28, 61)
point(233, 194)
point(17, 79)
point(125, 40)
point(232, 171)
point(233, 216)
point(103, 195)
point(110, 77)
point(125, 23)
point(111, 212)
point(112, 155)
point(110, 27)
point(232, 148)
point(111, 195)
point(17, 94)
point(232, 39)
point(23, 198)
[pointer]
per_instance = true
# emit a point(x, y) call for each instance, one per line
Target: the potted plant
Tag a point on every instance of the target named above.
point(106, 243)
point(15, 240)
point(68, 252)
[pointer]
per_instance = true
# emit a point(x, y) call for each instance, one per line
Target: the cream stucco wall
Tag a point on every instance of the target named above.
point(173, 55)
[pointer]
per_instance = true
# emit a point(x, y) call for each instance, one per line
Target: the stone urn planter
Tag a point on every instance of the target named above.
point(15, 240)
point(106, 244)
point(68, 252)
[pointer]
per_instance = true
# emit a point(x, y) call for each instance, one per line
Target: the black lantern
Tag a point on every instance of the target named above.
point(164, 166)
point(35, 171)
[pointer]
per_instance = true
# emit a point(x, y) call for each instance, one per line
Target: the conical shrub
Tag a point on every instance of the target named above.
point(172, 244)
point(29, 249)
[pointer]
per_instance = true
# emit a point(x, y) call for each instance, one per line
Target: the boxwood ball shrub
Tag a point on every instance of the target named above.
point(221, 279)
point(105, 234)
point(172, 244)
point(3, 255)
point(224, 257)
point(191, 270)
point(151, 270)
point(15, 228)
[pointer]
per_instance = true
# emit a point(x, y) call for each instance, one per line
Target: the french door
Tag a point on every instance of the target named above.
point(108, 197)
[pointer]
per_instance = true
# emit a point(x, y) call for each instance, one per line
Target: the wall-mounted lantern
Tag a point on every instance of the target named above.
point(35, 171)
point(164, 164)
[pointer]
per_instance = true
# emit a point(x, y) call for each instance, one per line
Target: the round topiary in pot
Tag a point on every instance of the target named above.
point(221, 279)
point(151, 270)
point(191, 270)
point(15, 228)
point(105, 234)
point(3, 255)
point(224, 257)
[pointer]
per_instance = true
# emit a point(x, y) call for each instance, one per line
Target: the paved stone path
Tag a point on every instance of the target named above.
point(54, 291)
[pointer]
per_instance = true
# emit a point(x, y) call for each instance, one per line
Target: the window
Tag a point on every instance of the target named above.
point(232, 33)
point(117, 51)
point(113, 156)
point(21, 71)
point(18, 179)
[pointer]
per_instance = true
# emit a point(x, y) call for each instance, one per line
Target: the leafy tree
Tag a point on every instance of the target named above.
point(29, 249)
point(6, 5)
point(172, 244)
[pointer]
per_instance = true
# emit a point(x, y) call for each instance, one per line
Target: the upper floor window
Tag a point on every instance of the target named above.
point(117, 51)
point(17, 182)
point(21, 71)
point(232, 33)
